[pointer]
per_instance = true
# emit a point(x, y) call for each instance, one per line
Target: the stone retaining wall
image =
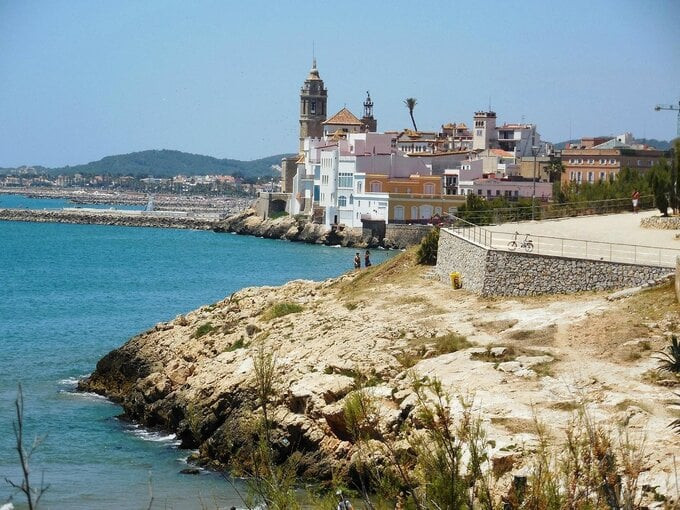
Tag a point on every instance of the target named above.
point(401, 236)
point(457, 255)
point(661, 222)
point(500, 273)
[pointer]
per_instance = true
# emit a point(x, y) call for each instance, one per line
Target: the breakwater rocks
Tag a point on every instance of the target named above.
point(109, 217)
point(301, 229)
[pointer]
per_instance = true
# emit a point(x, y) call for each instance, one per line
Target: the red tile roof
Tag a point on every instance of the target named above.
point(344, 118)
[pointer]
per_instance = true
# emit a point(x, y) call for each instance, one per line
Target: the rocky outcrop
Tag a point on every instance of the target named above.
point(528, 358)
point(297, 228)
point(108, 217)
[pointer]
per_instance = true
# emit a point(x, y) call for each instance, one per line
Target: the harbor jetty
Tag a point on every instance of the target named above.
point(159, 219)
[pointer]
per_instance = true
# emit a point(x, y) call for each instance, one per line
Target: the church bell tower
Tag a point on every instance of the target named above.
point(313, 98)
point(370, 124)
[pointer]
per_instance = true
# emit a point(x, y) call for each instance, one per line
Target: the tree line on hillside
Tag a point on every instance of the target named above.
point(167, 163)
point(662, 145)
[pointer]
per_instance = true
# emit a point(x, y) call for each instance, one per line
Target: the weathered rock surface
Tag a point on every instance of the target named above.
point(294, 228)
point(194, 374)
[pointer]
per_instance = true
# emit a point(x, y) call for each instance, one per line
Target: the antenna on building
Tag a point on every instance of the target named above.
point(489, 103)
point(313, 56)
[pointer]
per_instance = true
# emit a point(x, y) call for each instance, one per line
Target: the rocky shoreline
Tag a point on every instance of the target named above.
point(194, 375)
point(301, 229)
point(296, 229)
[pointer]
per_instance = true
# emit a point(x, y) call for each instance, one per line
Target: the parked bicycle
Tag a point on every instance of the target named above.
point(527, 244)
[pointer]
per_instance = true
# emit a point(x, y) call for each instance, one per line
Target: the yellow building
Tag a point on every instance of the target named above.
point(416, 198)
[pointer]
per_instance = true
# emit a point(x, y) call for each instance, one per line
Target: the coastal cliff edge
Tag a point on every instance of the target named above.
point(519, 359)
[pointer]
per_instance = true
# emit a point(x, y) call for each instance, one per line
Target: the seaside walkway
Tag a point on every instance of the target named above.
point(613, 238)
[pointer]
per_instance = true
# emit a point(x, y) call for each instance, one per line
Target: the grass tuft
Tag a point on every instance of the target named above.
point(203, 330)
point(281, 309)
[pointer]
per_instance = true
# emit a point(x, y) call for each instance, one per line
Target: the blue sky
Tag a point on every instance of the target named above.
point(85, 79)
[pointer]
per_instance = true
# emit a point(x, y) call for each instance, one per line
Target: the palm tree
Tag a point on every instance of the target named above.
point(411, 104)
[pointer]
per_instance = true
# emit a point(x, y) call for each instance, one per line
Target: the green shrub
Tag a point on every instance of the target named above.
point(670, 357)
point(238, 344)
point(427, 251)
point(281, 309)
point(451, 343)
point(203, 329)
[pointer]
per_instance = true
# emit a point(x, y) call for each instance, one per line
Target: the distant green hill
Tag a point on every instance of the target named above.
point(657, 144)
point(166, 163)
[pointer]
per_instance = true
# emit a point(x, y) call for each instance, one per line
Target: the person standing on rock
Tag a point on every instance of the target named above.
point(367, 259)
point(344, 503)
point(357, 261)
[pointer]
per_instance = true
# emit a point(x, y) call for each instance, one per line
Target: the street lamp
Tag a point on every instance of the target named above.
point(534, 151)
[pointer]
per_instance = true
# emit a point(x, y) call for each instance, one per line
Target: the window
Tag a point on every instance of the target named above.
point(323, 197)
point(429, 189)
point(578, 176)
point(572, 176)
point(414, 213)
point(591, 176)
point(342, 201)
point(313, 108)
point(488, 193)
point(376, 187)
point(479, 192)
point(498, 193)
point(399, 212)
point(602, 176)
point(324, 179)
point(345, 180)
point(359, 186)
point(351, 199)
point(479, 132)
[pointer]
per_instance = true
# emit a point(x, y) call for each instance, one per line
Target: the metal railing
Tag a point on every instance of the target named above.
point(590, 250)
point(547, 211)
point(566, 247)
point(470, 231)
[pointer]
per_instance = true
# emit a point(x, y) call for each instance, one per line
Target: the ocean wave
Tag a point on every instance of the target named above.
point(153, 435)
point(72, 381)
point(86, 395)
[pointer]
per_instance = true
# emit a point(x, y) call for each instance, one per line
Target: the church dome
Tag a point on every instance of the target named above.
point(313, 72)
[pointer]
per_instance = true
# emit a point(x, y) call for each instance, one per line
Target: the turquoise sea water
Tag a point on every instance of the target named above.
point(71, 293)
point(23, 202)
